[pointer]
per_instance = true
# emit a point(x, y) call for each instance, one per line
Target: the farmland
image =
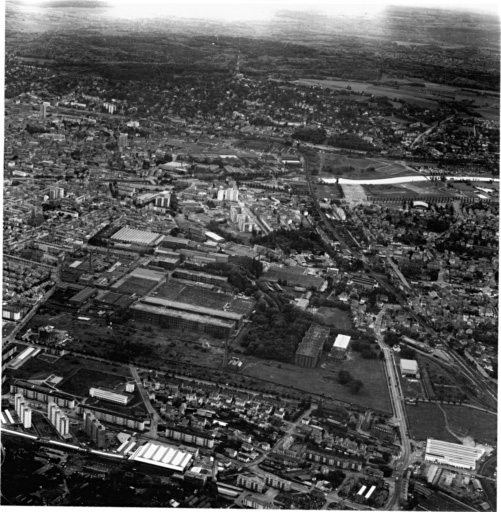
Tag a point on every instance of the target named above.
point(426, 95)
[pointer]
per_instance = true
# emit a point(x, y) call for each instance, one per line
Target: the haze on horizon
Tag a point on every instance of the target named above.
point(261, 10)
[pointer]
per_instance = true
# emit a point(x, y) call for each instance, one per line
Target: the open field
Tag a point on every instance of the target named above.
point(429, 420)
point(427, 96)
point(323, 379)
point(153, 345)
point(37, 369)
point(480, 425)
point(336, 317)
point(345, 166)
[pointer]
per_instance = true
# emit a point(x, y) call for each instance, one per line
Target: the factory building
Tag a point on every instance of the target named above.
point(310, 349)
point(452, 454)
point(179, 315)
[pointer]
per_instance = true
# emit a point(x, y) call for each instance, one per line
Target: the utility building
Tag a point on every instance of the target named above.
point(409, 368)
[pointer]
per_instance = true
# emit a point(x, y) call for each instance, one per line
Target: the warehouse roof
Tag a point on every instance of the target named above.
point(165, 303)
point(137, 236)
point(165, 456)
point(205, 319)
point(452, 453)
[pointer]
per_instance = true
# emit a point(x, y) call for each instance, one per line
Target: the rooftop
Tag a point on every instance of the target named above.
point(313, 340)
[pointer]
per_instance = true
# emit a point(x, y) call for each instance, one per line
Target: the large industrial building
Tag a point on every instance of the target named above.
point(137, 237)
point(180, 315)
point(310, 349)
point(451, 454)
point(164, 456)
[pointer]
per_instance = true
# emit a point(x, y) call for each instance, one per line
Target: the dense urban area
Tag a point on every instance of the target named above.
point(240, 271)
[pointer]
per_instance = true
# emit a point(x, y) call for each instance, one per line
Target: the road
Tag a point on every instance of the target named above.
point(398, 405)
point(155, 418)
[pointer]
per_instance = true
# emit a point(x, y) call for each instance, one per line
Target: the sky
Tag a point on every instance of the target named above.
point(264, 9)
point(247, 10)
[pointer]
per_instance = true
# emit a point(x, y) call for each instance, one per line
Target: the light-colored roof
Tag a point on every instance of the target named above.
point(137, 236)
point(455, 454)
point(161, 455)
point(409, 365)
point(342, 341)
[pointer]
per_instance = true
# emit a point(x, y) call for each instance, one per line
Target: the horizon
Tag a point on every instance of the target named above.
point(261, 10)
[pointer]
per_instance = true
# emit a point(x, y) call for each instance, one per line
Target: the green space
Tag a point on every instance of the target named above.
point(336, 317)
point(324, 380)
point(37, 368)
point(439, 383)
point(465, 421)
point(440, 501)
point(431, 420)
point(427, 420)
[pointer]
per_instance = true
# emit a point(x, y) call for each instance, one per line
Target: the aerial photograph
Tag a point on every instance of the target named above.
point(250, 254)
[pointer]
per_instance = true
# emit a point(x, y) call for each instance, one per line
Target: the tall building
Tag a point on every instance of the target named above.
point(25, 415)
point(163, 200)
point(310, 349)
point(43, 111)
point(56, 193)
point(94, 429)
point(58, 419)
point(23, 410)
point(122, 141)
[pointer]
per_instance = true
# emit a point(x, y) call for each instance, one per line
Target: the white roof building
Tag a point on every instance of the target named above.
point(408, 366)
point(452, 454)
point(342, 341)
point(161, 455)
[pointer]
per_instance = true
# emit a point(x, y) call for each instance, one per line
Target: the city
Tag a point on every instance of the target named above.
point(240, 271)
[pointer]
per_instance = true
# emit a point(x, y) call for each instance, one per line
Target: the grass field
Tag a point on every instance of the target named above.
point(429, 420)
point(346, 166)
point(480, 425)
point(323, 379)
point(336, 317)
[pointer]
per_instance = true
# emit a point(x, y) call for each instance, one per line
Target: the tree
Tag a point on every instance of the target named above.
point(355, 386)
point(344, 377)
